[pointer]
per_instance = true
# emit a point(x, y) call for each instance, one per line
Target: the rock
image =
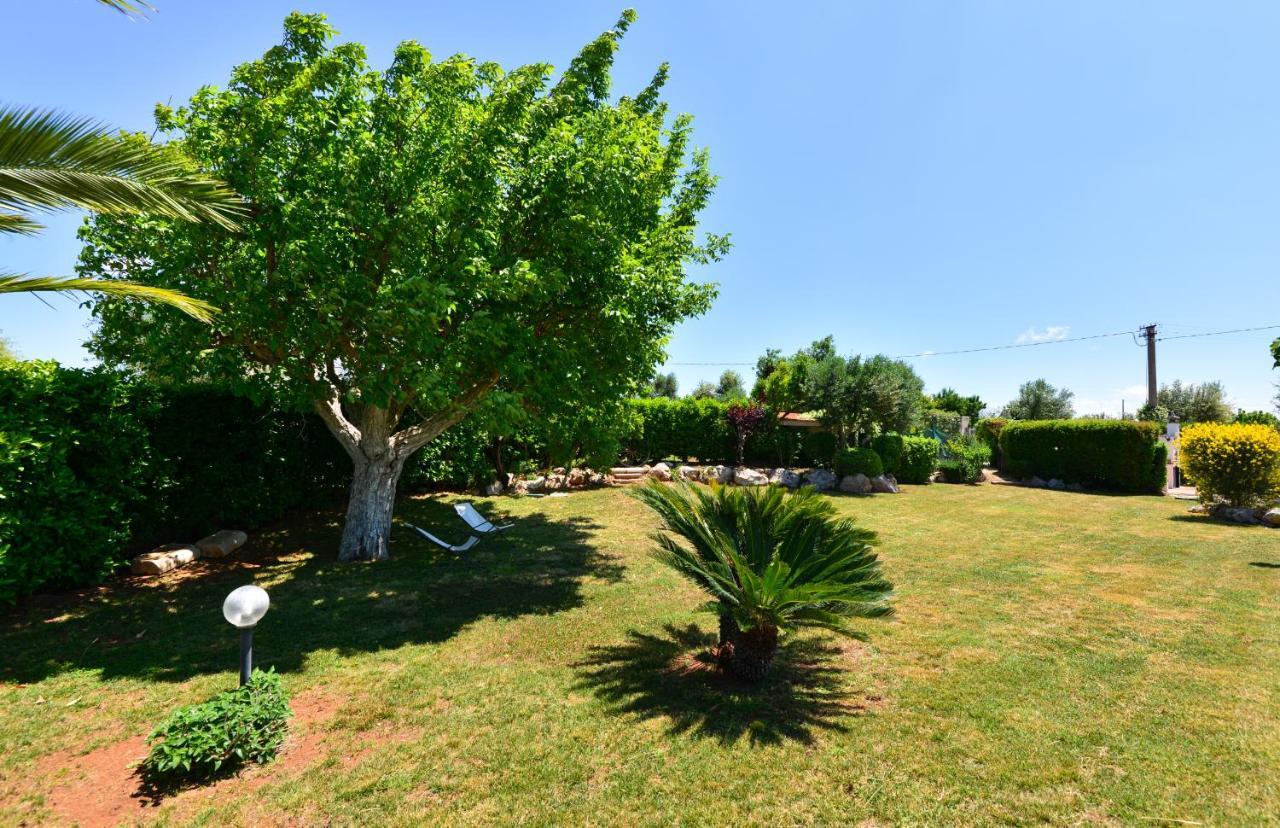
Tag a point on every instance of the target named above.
point(687, 472)
point(1223, 512)
point(820, 479)
point(750, 477)
point(535, 484)
point(492, 489)
point(1055, 483)
point(554, 483)
point(152, 563)
point(1035, 483)
point(660, 472)
point(1075, 487)
point(576, 478)
point(1271, 517)
point(855, 484)
point(221, 543)
point(520, 487)
point(1199, 509)
point(558, 470)
point(597, 479)
point(717, 474)
point(785, 477)
point(883, 485)
point(937, 477)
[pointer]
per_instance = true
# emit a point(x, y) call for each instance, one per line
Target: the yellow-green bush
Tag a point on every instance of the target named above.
point(1236, 463)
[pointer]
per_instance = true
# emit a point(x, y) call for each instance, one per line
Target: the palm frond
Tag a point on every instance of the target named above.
point(19, 224)
point(130, 9)
point(21, 283)
point(52, 161)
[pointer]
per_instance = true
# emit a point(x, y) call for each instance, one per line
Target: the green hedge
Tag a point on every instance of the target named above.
point(859, 461)
point(698, 430)
point(919, 459)
point(1123, 455)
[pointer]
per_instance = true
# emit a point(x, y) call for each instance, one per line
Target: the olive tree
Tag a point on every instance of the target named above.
point(438, 240)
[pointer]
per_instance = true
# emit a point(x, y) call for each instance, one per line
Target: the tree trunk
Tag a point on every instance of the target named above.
point(753, 652)
point(369, 507)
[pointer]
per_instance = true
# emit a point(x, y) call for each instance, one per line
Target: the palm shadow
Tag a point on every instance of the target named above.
point(172, 629)
point(674, 676)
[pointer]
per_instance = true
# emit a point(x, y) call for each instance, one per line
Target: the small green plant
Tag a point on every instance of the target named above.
point(919, 459)
point(967, 457)
point(231, 729)
point(1257, 418)
point(1149, 413)
point(859, 461)
point(772, 561)
point(889, 447)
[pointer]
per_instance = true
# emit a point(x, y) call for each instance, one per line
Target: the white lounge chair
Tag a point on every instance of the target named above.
point(477, 521)
point(470, 542)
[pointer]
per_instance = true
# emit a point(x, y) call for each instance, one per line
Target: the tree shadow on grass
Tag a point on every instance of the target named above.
point(171, 628)
point(674, 676)
point(1209, 520)
point(1265, 564)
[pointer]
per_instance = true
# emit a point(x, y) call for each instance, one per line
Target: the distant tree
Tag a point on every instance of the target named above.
point(438, 241)
point(703, 391)
point(856, 396)
point(665, 385)
point(1154, 414)
point(1257, 418)
point(948, 400)
point(1038, 400)
point(7, 353)
point(730, 387)
point(1204, 403)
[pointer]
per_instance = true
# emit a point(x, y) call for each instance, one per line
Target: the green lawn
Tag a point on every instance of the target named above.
point(1055, 657)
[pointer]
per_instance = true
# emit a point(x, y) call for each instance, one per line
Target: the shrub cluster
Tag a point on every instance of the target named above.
point(988, 431)
point(965, 458)
point(1238, 464)
point(919, 459)
point(1123, 455)
point(859, 461)
point(698, 429)
point(232, 729)
point(889, 447)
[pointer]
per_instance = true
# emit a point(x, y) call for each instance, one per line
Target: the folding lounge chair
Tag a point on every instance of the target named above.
point(471, 541)
point(478, 522)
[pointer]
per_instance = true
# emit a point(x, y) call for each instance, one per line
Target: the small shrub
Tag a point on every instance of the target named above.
point(859, 461)
point(967, 457)
point(235, 727)
point(1149, 413)
point(919, 459)
point(988, 431)
point(1265, 418)
point(889, 447)
point(1238, 464)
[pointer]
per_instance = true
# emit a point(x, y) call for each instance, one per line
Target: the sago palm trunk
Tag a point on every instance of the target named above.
point(753, 652)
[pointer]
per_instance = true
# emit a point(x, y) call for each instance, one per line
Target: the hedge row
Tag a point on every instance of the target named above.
point(95, 466)
point(698, 429)
point(1123, 455)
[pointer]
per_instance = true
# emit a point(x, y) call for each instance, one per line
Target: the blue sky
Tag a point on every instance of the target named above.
point(909, 177)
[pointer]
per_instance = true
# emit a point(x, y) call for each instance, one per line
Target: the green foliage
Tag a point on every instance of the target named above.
point(966, 457)
point(949, 400)
point(858, 395)
point(889, 446)
point(234, 728)
point(697, 428)
point(919, 459)
point(729, 388)
point(7, 354)
point(988, 431)
point(946, 422)
point(1158, 414)
point(665, 385)
point(1123, 455)
point(72, 461)
point(1257, 418)
point(859, 461)
point(1038, 400)
point(1238, 463)
point(431, 243)
point(770, 561)
point(1204, 403)
point(703, 391)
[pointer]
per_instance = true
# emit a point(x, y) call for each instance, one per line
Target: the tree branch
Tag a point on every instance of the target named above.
point(409, 440)
point(330, 410)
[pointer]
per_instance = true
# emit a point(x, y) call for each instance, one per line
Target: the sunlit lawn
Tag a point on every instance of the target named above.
point(1055, 658)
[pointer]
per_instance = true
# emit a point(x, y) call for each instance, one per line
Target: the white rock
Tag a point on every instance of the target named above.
point(750, 477)
point(687, 473)
point(152, 564)
point(221, 543)
point(785, 477)
point(717, 474)
point(820, 479)
point(883, 485)
point(554, 482)
point(535, 484)
point(855, 484)
point(1055, 483)
point(596, 479)
point(660, 472)
point(1271, 517)
point(1034, 482)
point(492, 489)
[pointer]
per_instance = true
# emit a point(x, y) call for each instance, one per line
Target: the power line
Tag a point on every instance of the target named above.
point(1017, 345)
point(1220, 333)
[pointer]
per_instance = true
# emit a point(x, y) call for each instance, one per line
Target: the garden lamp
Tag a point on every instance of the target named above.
point(243, 609)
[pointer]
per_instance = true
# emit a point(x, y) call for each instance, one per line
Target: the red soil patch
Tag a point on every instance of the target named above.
point(102, 788)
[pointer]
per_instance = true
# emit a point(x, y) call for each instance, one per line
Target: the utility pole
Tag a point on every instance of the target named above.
point(1149, 334)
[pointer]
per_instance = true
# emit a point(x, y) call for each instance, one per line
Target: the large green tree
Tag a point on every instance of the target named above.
point(431, 242)
point(859, 396)
point(1192, 403)
point(1038, 400)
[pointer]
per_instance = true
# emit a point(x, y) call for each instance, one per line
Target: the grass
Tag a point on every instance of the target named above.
point(1056, 658)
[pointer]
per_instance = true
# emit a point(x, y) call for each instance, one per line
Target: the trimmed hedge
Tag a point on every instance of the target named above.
point(859, 461)
point(1238, 463)
point(919, 459)
point(889, 447)
point(1122, 455)
point(698, 429)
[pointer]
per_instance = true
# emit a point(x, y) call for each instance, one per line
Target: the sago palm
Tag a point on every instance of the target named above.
point(773, 561)
point(52, 161)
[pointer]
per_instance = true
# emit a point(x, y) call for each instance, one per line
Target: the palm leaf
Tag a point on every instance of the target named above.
point(132, 9)
point(53, 161)
point(20, 283)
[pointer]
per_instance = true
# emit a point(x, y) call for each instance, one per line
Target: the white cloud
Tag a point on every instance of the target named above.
point(1131, 391)
point(1052, 333)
